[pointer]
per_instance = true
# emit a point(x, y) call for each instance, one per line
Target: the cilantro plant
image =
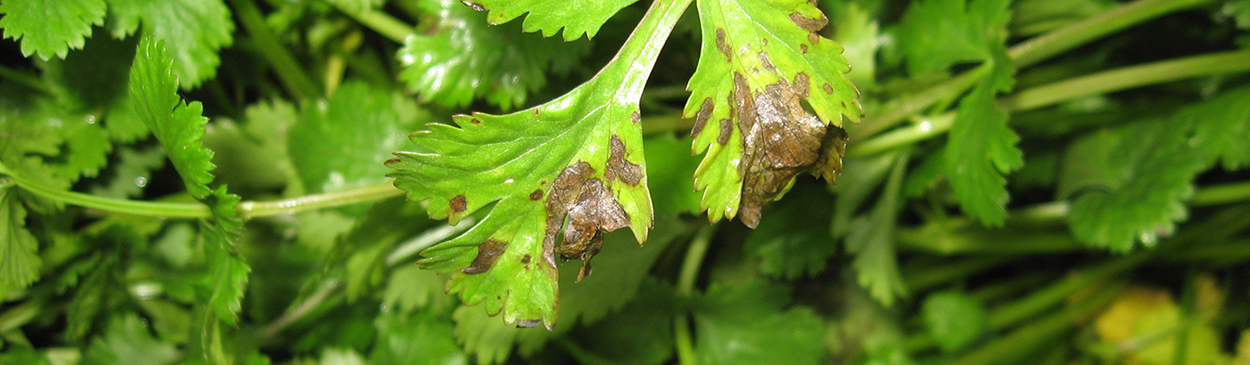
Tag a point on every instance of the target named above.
point(423, 181)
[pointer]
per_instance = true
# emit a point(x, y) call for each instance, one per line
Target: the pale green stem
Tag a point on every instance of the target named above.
point(685, 287)
point(381, 22)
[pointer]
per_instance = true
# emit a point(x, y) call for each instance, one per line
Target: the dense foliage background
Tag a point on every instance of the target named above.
point(1033, 182)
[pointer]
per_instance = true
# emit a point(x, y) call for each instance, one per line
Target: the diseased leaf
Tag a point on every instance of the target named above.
point(50, 27)
point(455, 58)
point(748, 323)
point(549, 16)
point(19, 252)
point(193, 32)
point(578, 157)
point(749, 112)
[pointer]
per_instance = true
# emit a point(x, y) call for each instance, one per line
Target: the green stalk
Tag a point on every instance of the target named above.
point(1221, 194)
point(1061, 40)
point(1024, 54)
point(248, 210)
point(921, 280)
point(1013, 313)
point(24, 79)
point(293, 77)
point(685, 287)
point(381, 22)
point(1129, 77)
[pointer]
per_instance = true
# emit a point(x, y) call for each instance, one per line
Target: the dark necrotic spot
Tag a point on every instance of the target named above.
point(457, 204)
point(487, 253)
point(813, 38)
point(828, 88)
point(700, 119)
point(726, 128)
point(620, 168)
point(475, 121)
point(635, 117)
point(723, 45)
point(526, 259)
point(803, 48)
point(536, 195)
point(528, 323)
point(768, 65)
point(801, 84)
point(808, 23)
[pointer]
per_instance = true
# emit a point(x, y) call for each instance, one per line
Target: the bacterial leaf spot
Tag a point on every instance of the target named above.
point(829, 90)
point(457, 204)
point(536, 195)
point(726, 129)
point(780, 139)
point(723, 45)
point(768, 65)
point(475, 6)
point(635, 117)
point(803, 48)
point(801, 84)
point(475, 121)
point(591, 209)
point(487, 253)
point(620, 168)
point(700, 119)
point(809, 24)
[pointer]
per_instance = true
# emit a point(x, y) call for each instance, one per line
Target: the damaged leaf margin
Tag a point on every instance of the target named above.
point(558, 175)
point(761, 124)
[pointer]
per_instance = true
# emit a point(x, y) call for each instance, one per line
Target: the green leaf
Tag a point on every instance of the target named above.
point(94, 78)
point(1219, 127)
point(549, 16)
point(455, 58)
point(229, 271)
point(747, 323)
point(127, 341)
point(415, 339)
point(872, 241)
point(578, 156)
point(670, 178)
point(955, 320)
point(1239, 11)
point(343, 142)
point(193, 31)
point(489, 341)
point(936, 34)
point(981, 148)
point(177, 125)
point(87, 147)
point(50, 27)
point(640, 333)
point(759, 63)
point(795, 240)
point(19, 252)
point(410, 288)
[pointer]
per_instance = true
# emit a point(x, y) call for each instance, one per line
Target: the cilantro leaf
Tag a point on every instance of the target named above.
point(193, 31)
point(747, 323)
point(50, 27)
point(936, 34)
point(343, 142)
point(94, 78)
point(618, 338)
point(797, 242)
point(672, 184)
point(405, 338)
point(579, 156)
point(455, 58)
point(131, 166)
point(127, 341)
point(177, 125)
point(549, 16)
point(954, 319)
point(1220, 126)
point(872, 241)
point(19, 257)
point(980, 149)
point(758, 63)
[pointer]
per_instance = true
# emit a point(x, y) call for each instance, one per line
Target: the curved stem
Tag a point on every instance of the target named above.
point(293, 77)
point(369, 193)
point(381, 22)
point(685, 287)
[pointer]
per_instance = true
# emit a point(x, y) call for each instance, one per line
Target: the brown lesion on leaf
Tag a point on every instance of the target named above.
point(536, 195)
point(620, 168)
point(700, 119)
point(635, 117)
point(809, 24)
point(457, 204)
point(829, 90)
point(487, 253)
point(474, 5)
point(803, 48)
point(780, 139)
point(726, 131)
point(766, 63)
point(591, 210)
point(723, 45)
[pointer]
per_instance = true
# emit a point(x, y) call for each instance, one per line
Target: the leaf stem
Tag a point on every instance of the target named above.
point(380, 22)
point(685, 287)
point(293, 77)
point(25, 79)
point(248, 210)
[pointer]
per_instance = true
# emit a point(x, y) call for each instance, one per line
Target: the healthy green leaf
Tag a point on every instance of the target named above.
point(1220, 126)
point(455, 58)
point(19, 252)
point(193, 31)
point(758, 65)
point(981, 148)
point(50, 27)
point(955, 319)
point(936, 34)
point(177, 125)
point(415, 339)
point(410, 288)
point(796, 242)
point(549, 16)
point(94, 78)
point(87, 147)
point(670, 180)
point(343, 142)
point(640, 333)
point(578, 156)
point(872, 241)
point(748, 323)
point(484, 337)
point(127, 341)
point(229, 271)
